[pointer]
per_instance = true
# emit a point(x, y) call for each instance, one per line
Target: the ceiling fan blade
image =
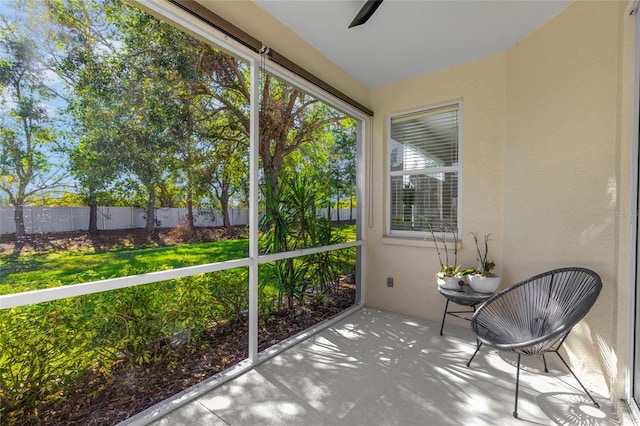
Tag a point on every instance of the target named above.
point(365, 13)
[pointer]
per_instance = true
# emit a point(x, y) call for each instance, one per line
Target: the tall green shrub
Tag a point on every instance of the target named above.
point(44, 350)
point(291, 222)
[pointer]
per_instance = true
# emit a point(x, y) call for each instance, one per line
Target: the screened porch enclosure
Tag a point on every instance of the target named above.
point(169, 113)
point(161, 126)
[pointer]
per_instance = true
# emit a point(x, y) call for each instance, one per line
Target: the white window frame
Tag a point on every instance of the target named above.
point(390, 174)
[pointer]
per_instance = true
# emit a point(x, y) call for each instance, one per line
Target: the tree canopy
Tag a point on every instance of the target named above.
point(154, 117)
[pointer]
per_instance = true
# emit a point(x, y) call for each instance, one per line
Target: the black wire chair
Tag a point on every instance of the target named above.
point(535, 316)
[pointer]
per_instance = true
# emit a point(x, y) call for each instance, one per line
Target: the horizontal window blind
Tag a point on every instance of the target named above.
point(425, 140)
point(424, 169)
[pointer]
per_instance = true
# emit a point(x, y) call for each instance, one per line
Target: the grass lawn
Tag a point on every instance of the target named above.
point(31, 271)
point(120, 333)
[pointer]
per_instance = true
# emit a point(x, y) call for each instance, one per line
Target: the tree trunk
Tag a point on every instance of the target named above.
point(271, 174)
point(271, 165)
point(93, 217)
point(151, 216)
point(93, 211)
point(224, 204)
point(18, 217)
point(190, 222)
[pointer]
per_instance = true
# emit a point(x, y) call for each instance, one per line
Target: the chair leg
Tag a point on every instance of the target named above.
point(577, 380)
point(478, 345)
point(546, 370)
point(444, 316)
point(515, 409)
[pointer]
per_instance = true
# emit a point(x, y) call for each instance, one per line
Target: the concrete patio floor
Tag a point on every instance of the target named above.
point(380, 368)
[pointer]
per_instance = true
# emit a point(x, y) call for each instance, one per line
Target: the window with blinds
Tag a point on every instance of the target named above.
point(424, 170)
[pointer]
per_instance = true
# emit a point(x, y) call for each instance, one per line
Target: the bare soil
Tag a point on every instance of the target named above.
point(97, 399)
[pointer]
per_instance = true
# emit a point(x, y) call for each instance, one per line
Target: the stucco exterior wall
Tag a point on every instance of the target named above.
point(545, 166)
point(480, 85)
point(546, 171)
point(567, 167)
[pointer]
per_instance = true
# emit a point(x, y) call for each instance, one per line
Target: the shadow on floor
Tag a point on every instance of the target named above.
point(381, 368)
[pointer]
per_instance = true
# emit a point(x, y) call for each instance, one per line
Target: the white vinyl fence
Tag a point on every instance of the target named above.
point(43, 219)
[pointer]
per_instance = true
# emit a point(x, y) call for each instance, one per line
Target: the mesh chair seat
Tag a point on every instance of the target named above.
point(535, 316)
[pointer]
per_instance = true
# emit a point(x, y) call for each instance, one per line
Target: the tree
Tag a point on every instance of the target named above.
point(343, 164)
point(123, 90)
point(173, 118)
point(174, 127)
point(221, 125)
point(27, 133)
point(80, 26)
point(288, 118)
point(93, 172)
point(224, 165)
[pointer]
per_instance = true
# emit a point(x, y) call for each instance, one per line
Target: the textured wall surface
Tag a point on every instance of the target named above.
point(546, 168)
point(480, 85)
point(546, 171)
point(566, 164)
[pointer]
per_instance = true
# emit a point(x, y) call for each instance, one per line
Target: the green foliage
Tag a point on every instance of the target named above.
point(132, 322)
point(325, 269)
point(230, 292)
point(290, 223)
point(484, 265)
point(27, 132)
point(45, 349)
point(36, 271)
point(48, 347)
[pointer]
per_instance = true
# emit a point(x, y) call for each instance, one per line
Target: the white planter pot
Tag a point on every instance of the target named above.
point(450, 283)
point(484, 284)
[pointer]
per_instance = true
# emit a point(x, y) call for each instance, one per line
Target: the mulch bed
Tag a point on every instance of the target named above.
point(107, 400)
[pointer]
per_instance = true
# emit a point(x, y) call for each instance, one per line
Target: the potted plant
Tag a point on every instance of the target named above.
point(451, 275)
point(482, 279)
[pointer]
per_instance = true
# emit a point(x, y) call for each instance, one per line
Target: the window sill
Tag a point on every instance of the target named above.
point(414, 242)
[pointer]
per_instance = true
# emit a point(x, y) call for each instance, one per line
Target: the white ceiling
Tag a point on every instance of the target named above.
point(405, 38)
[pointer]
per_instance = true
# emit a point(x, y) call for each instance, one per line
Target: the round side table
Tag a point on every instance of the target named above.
point(466, 296)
